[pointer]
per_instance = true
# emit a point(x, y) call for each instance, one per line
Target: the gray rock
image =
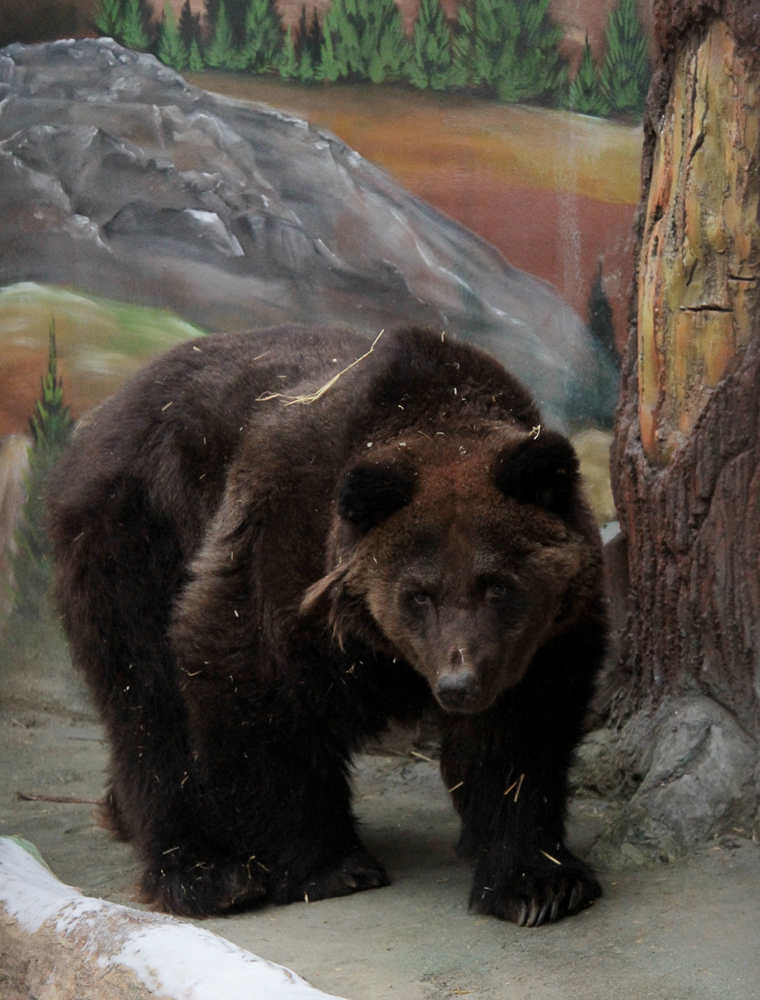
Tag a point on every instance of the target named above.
point(698, 779)
point(701, 779)
point(120, 179)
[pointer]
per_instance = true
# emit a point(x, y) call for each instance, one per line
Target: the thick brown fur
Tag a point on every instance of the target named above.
point(253, 588)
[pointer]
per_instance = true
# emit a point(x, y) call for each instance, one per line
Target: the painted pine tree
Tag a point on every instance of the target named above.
point(171, 50)
point(108, 18)
point(190, 35)
point(585, 94)
point(221, 52)
point(263, 37)
point(364, 39)
point(189, 26)
point(303, 50)
point(601, 323)
point(134, 34)
point(532, 68)
point(496, 29)
point(340, 55)
point(195, 61)
point(302, 33)
point(386, 48)
point(211, 11)
point(430, 64)
point(288, 61)
point(235, 13)
point(51, 426)
point(463, 46)
point(510, 49)
point(314, 42)
point(626, 72)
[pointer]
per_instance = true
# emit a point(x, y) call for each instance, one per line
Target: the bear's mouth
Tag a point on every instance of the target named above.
point(464, 709)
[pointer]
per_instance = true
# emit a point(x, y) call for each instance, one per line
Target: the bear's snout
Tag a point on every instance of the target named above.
point(458, 690)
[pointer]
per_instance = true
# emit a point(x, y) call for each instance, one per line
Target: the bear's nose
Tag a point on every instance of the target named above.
point(457, 689)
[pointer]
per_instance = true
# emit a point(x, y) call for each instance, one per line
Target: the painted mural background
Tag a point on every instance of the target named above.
point(137, 210)
point(555, 193)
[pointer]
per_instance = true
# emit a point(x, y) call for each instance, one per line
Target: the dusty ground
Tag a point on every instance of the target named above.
point(684, 930)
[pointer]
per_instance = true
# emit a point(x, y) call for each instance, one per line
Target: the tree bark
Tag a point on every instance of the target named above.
point(684, 695)
point(685, 468)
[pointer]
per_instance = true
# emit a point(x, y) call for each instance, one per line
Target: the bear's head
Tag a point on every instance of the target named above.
point(462, 555)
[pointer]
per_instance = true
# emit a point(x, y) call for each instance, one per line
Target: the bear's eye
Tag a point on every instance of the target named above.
point(422, 597)
point(495, 591)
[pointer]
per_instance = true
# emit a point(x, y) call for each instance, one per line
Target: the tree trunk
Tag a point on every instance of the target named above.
point(685, 694)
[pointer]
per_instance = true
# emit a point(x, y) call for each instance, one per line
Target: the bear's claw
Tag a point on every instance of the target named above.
point(540, 897)
point(535, 912)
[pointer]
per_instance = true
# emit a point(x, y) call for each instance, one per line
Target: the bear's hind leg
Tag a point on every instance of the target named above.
point(120, 566)
point(192, 864)
point(278, 776)
point(190, 867)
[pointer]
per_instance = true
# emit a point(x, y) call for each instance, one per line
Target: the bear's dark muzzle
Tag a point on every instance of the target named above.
point(458, 691)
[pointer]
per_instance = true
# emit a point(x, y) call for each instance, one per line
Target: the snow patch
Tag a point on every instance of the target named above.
point(31, 894)
point(187, 963)
point(171, 958)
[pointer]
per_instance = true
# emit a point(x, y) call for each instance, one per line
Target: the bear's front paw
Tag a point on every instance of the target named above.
point(203, 888)
point(536, 895)
point(355, 872)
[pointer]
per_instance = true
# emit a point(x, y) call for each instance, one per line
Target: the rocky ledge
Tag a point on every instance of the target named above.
point(119, 178)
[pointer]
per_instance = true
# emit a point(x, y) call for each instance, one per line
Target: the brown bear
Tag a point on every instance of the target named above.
point(255, 577)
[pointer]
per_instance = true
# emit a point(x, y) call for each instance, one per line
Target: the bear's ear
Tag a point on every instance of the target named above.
point(372, 491)
point(541, 470)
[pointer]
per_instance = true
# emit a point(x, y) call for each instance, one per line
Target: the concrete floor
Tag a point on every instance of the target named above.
point(689, 930)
